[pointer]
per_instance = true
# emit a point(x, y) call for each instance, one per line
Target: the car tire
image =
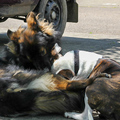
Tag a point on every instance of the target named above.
point(54, 11)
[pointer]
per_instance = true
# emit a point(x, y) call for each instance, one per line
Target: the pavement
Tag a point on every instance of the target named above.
point(99, 3)
point(98, 28)
point(97, 17)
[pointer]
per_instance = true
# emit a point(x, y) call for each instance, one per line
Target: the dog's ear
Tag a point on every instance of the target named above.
point(68, 74)
point(9, 33)
point(15, 36)
point(32, 22)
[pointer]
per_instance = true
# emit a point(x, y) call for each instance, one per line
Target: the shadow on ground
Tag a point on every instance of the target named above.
point(107, 47)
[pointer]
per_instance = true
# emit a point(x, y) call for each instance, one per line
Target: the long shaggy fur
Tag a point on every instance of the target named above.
point(31, 46)
point(46, 27)
point(24, 92)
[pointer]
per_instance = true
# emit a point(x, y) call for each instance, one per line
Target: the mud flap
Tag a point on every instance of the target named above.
point(72, 9)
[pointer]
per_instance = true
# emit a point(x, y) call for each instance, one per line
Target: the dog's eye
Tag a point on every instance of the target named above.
point(43, 51)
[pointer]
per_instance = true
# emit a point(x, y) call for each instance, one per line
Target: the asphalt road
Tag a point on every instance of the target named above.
point(98, 30)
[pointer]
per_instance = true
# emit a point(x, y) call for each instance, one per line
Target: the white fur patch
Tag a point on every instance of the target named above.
point(64, 62)
point(44, 83)
point(87, 61)
point(85, 115)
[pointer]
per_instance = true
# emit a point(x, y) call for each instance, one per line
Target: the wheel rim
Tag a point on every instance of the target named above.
point(53, 13)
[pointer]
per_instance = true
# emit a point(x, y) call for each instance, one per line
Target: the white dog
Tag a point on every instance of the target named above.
point(81, 63)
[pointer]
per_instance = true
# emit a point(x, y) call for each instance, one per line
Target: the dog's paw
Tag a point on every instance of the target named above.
point(75, 116)
point(68, 114)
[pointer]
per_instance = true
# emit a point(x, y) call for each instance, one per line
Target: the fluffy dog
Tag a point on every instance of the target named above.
point(30, 46)
point(22, 86)
point(32, 92)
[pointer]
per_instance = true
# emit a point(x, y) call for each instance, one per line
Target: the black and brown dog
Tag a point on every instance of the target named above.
point(30, 46)
point(32, 49)
point(40, 92)
point(31, 92)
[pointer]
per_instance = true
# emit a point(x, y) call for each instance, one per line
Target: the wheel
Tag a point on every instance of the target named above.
point(54, 11)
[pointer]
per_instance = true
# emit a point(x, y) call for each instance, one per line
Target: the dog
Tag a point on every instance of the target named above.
point(80, 63)
point(17, 85)
point(30, 46)
point(103, 93)
point(35, 92)
point(28, 53)
point(19, 47)
point(34, 48)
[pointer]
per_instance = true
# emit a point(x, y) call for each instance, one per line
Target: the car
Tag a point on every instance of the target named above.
point(56, 11)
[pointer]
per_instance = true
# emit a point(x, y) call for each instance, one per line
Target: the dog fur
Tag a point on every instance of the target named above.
point(30, 46)
point(85, 67)
point(103, 93)
point(41, 86)
point(32, 92)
